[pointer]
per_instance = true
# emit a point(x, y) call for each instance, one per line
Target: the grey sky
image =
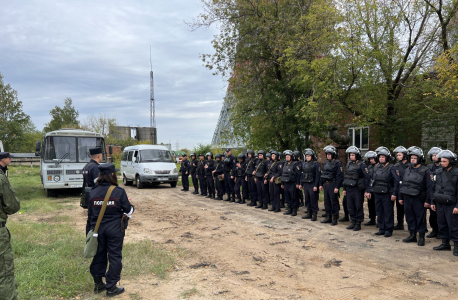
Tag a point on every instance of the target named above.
point(97, 53)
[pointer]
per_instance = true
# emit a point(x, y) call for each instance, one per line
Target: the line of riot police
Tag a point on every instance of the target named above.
point(281, 179)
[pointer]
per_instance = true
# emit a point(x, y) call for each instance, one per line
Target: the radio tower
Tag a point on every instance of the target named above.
point(152, 104)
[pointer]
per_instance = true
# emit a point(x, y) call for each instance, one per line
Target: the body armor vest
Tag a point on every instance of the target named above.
point(251, 167)
point(288, 174)
point(273, 169)
point(329, 170)
point(261, 169)
point(412, 181)
point(238, 171)
point(193, 169)
point(402, 168)
point(353, 177)
point(308, 171)
point(381, 179)
point(445, 190)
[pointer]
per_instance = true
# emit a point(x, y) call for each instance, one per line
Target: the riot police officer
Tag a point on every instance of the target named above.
point(274, 184)
point(435, 165)
point(201, 175)
point(299, 193)
point(9, 205)
point(111, 231)
point(250, 179)
point(209, 168)
point(259, 173)
point(415, 189)
point(399, 168)
point(184, 170)
point(218, 174)
point(371, 161)
point(90, 173)
point(445, 201)
point(193, 172)
point(240, 173)
point(290, 177)
point(384, 188)
point(310, 183)
point(356, 181)
point(331, 181)
point(229, 174)
point(225, 186)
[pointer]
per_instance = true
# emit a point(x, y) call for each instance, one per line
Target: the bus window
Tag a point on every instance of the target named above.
point(58, 147)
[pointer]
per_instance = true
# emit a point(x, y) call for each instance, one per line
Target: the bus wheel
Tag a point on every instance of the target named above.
point(50, 193)
point(125, 181)
point(139, 183)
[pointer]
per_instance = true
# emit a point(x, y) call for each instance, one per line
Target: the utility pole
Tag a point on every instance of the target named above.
point(177, 146)
point(152, 102)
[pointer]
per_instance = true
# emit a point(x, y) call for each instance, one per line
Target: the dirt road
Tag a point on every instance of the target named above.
point(239, 252)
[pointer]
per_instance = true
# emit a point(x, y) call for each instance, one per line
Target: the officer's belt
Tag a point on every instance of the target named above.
point(2, 224)
point(329, 181)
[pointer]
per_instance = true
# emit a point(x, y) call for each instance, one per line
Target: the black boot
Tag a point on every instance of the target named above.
point(445, 246)
point(271, 208)
point(301, 204)
point(183, 189)
point(334, 220)
point(327, 220)
point(412, 238)
point(195, 192)
point(228, 198)
point(114, 291)
point(219, 198)
point(357, 226)
point(265, 206)
point(352, 225)
point(345, 218)
point(209, 195)
point(307, 216)
point(259, 205)
point(314, 216)
point(214, 196)
point(282, 205)
point(277, 210)
point(233, 198)
point(399, 226)
point(99, 285)
point(421, 239)
point(288, 211)
point(242, 201)
point(455, 249)
point(433, 234)
point(294, 212)
point(325, 215)
point(238, 199)
point(370, 223)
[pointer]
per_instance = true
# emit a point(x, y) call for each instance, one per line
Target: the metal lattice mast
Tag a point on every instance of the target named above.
point(152, 104)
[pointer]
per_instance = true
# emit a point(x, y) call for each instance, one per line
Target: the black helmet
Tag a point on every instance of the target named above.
point(241, 155)
point(310, 152)
point(434, 150)
point(262, 152)
point(297, 155)
point(414, 150)
point(218, 155)
point(268, 154)
point(276, 154)
point(331, 150)
point(279, 156)
point(448, 155)
point(288, 152)
point(369, 155)
point(271, 150)
point(401, 149)
point(355, 150)
point(249, 151)
point(209, 154)
point(383, 151)
point(227, 161)
point(193, 154)
point(201, 154)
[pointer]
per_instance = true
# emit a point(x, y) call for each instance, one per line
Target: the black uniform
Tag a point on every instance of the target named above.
point(274, 188)
point(240, 173)
point(110, 235)
point(184, 169)
point(269, 163)
point(229, 170)
point(202, 179)
point(261, 170)
point(290, 177)
point(399, 168)
point(384, 184)
point(251, 185)
point(446, 187)
point(90, 174)
point(311, 178)
point(193, 171)
point(332, 178)
point(209, 177)
point(432, 214)
point(371, 201)
point(219, 170)
point(356, 182)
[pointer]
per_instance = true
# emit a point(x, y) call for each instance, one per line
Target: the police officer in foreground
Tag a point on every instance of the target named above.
point(240, 173)
point(415, 191)
point(111, 231)
point(356, 181)
point(250, 179)
point(310, 183)
point(384, 188)
point(399, 168)
point(201, 175)
point(435, 165)
point(193, 172)
point(90, 174)
point(331, 181)
point(9, 205)
point(218, 173)
point(259, 173)
point(184, 170)
point(209, 168)
point(371, 161)
point(445, 202)
point(229, 174)
point(289, 181)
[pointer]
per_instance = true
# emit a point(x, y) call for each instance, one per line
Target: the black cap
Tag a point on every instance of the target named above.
point(108, 168)
point(95, 151)
point(184, 155)
point(5, 155)
point(228, 149)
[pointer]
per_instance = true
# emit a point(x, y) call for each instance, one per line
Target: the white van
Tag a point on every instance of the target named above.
point(148, 164)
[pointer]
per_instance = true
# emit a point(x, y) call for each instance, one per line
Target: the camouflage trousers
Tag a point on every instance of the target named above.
point(8, 284)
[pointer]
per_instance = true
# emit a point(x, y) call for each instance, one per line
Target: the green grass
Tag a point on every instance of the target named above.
point(188, 293)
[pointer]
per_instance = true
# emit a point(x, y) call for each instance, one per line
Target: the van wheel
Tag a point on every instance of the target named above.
point(173, 184)
point(139, 183)
point(51, 193)
point(125, 181)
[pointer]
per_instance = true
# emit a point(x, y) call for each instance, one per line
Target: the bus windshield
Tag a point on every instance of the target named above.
point(152, 155)
point(71, 149)
point(86, 143)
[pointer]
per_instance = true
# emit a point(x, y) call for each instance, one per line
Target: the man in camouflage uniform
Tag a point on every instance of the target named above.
point(9, 205)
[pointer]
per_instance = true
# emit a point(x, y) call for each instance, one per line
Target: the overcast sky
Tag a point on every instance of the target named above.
point(97, 53)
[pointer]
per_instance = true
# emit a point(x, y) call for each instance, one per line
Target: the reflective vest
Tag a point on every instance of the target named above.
point(381, 179)
point(329, 170)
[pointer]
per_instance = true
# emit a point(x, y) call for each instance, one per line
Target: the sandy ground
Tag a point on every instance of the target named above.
point(239, 252)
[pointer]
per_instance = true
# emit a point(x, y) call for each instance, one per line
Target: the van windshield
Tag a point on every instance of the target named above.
point(155, 156)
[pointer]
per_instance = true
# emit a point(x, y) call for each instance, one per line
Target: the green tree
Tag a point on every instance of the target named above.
point(12, 118)
point(30, 135)
point(63, 117)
